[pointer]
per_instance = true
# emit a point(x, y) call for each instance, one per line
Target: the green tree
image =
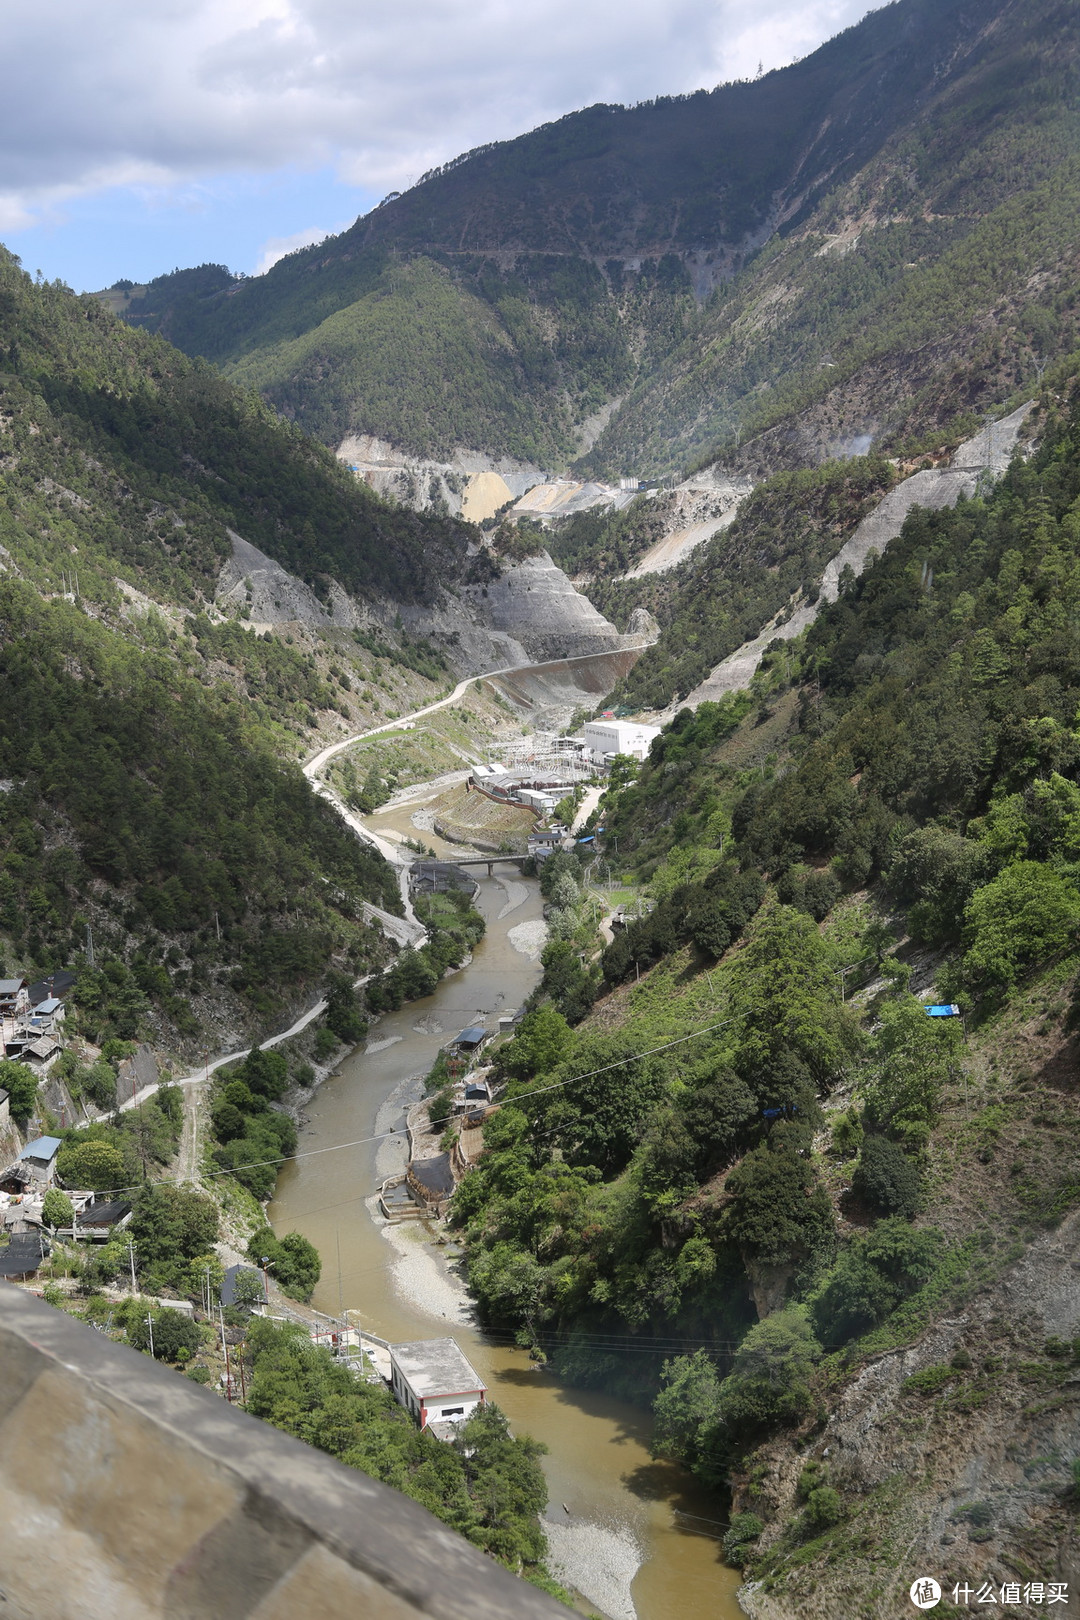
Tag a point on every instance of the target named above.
point(343, 1012)
point(95, 1166)
point(1028, 914)
point(686, 1409)
point(174, 1333)
point(249, 1288)
point(769, 1382)
point(541, 1043)
point(170, 1226)
point(20, 1083)
point(788, 997)
point(872, 1275)
point(780, 1213)
point(57, 1209)
point(293, 1260)
point(913, 1057)
point(886, 1178)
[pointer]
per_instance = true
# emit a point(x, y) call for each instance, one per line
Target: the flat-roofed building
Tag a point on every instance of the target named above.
point(433, 1380)
point(606, 738)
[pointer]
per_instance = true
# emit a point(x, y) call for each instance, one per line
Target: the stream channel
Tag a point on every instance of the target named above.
point(637, 1538)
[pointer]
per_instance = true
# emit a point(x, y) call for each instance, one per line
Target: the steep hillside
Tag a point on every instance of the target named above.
point(861, 244)
point(738, 1169)
point(150, 727)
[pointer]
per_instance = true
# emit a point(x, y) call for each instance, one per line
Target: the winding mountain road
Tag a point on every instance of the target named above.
point(407, 930)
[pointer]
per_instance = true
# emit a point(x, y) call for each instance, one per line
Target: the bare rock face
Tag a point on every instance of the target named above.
point(995, 1424)
point(528, 613)
point(534, 603)
point(470, 484)
point(643, 624)
point(768, 1287)
point(252, 580)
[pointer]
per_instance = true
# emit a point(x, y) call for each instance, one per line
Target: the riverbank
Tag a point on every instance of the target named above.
point(615, 1517)
point(598, 1560)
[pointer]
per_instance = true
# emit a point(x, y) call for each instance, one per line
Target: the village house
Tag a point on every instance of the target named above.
point(13, 998)
point(471, 1040)
point(39, 1158)
point(98, 1216)
point(544, 841)
point(432, 1380)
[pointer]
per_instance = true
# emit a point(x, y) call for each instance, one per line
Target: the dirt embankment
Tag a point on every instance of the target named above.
point(466, 816)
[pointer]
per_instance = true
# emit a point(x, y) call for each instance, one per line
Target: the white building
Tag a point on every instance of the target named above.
point(432, 1380)
point(606, 738)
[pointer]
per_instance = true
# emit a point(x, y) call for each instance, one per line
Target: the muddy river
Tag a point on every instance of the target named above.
point(634, 1536)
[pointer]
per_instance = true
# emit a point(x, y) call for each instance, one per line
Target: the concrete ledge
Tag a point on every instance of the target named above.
point(129, 1493)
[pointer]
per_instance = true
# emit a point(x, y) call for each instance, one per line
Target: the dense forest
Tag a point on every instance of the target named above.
point(131, 783)
point(98, 416)
point(145, 734)
point(716, 1174)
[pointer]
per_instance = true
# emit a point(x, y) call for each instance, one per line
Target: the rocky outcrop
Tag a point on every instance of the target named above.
point(528, 612)
point(470, 485)
point(533, 604)
point(996, 1423)
point(693, 514)
point(271, 595)
point(985, 456)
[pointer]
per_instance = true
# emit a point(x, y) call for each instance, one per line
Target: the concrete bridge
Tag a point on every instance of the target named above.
point(486, 860)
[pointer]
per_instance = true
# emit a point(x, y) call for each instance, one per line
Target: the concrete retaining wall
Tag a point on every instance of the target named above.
point(129, 1493)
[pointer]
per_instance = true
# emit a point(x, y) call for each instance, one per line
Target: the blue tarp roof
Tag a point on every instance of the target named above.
point(46, 1147)
point(947, 1009)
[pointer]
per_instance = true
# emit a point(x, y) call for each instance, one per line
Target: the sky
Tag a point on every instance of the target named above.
point(139, 139)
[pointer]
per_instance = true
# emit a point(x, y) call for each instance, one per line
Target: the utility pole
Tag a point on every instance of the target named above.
point(225, 1348)
point(340, 1294)
point(150, 1325)
point(131, 1257)
point(89, 945)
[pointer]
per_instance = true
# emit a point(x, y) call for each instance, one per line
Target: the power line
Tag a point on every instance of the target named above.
point(383, 1136)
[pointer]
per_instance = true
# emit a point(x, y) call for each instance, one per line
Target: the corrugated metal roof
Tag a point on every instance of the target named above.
point(473, 1035)
point(45, 1147)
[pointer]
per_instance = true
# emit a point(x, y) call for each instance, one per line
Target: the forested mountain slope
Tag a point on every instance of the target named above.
point(740, 1171)
point(889, 227)
point(148, 740)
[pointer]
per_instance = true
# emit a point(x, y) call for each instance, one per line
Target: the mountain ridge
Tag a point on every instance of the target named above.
point(568, 271)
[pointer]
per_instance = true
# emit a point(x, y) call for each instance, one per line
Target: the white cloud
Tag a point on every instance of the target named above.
point(182, 90)
point(276, 247)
